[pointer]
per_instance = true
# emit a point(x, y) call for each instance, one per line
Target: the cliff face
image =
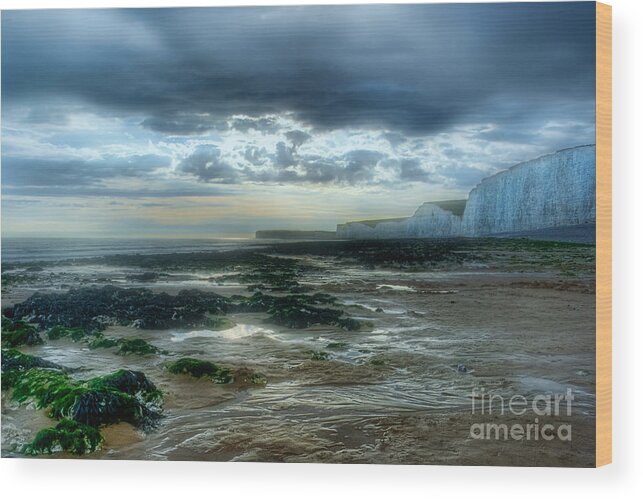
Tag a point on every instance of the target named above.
point(555, 190)
point(429, 220)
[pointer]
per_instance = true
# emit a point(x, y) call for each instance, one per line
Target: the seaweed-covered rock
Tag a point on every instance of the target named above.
point(94, 402)
point(42, 386)
point(15, 362)
point(102, 341)
point(201, 368)
point(135, 346)
point(97, 407)
point(130, 382)
point(67, 436)
point(17, 332)
point(274, 274)
point(297, 311)
point(93, 307)
point(13, 359)
point(75, 333)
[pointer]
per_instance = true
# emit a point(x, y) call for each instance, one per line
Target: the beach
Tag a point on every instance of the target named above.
point(417, 330)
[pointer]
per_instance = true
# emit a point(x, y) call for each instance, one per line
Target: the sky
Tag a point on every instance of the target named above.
point(217, 122)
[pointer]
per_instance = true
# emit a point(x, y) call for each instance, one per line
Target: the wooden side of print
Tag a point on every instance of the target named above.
point(603, 234)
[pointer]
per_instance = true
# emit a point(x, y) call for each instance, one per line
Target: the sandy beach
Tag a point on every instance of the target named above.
point(439, 324)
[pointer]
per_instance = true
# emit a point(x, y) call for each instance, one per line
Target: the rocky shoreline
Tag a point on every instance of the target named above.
point(231, 330)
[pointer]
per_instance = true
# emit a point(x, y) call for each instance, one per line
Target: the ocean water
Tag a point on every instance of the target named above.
point(16, 250)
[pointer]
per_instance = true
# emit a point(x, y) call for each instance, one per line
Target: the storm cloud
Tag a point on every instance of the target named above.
point(339, 109)
point(410, 68)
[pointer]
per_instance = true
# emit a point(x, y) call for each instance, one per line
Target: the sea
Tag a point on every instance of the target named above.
point(31, 249)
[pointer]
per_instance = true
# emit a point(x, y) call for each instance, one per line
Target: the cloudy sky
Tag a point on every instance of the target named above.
point(218, 122)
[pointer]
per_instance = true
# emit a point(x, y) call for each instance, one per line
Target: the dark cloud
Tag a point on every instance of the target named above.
point(353, 168)
point(59, 172)
point(411, 170)
point(394, 138)
point(207, 164)
point(255, 155)
point(284, 155)
point(298, 137)
point(263, 124)
point(415, 69)
point(180, 124)
point(360, 166)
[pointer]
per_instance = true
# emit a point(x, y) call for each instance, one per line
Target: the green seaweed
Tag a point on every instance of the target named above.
point(102, 341)
point(15, 362)
point(245, 376)
point(135, 346)
point(94, 402)
point(201, 368)
point(297, 311)
point(43, 386)
point(67, 436)
point(321, 355)
point(130, 382)
point(74, 333)
point(17, 333)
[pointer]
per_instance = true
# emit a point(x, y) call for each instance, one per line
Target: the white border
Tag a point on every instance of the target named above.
point(48, 479)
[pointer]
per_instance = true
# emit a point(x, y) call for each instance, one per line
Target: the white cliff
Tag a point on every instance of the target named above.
point(429, 220)
point(554, 190)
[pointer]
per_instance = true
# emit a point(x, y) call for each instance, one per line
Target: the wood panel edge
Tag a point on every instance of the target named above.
point(603, 234)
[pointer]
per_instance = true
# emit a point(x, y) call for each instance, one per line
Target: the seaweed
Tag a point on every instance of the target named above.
point(297, 311)
point(297, 315)
point(75, 333)
point(18, 332)
point(123, 396)
point(15, 362)
point(244, 376)
point(201, 368)
point(337, 345)
point(93, 308)
point(43, 386)
point(67, 436)
point(319, 355)
point(130, 382)
point(102, 341)
point(99, 406)
point(274, 274)
point(135, 346)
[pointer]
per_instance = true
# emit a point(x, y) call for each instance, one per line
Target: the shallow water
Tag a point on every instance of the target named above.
point(418, 329)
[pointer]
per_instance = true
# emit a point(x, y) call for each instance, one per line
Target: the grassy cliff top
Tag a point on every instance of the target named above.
point(373, 223)
point(455, 206)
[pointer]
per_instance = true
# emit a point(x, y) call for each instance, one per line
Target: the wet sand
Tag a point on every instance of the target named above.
point(397, 391)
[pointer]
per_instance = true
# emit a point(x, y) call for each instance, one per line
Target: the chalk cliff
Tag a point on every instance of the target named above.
point(439, 219)
point(556, 190)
